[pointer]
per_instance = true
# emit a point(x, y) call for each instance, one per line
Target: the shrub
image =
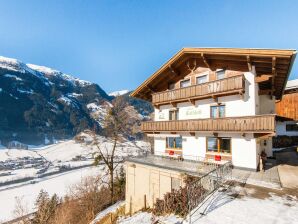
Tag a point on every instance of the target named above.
point(176, 201)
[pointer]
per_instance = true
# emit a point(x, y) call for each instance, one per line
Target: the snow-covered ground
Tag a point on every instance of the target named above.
point(108, 210)
point(58, 184)
point(20, 163)
point(235, 205)
point(148, 218)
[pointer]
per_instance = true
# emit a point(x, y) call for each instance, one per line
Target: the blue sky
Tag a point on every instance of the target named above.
point(118, 44)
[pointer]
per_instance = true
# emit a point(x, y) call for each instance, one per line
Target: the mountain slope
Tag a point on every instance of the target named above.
point(36, 101)
point(39, 104)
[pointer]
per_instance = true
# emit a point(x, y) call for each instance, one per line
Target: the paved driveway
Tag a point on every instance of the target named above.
point(288, 169)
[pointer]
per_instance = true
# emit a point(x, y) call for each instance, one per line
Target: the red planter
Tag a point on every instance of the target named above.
point(217, 158)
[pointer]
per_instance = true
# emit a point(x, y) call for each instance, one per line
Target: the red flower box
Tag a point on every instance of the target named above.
point(217, 158)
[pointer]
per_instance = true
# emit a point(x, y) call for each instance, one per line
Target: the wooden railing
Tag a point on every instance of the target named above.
point(251, 124)
point(227, 86)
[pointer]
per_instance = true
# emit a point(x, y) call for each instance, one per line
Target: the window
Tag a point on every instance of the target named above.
point(171, 86)
point(217, 111)
point(292, 127)
point(212, 145)
point(173, 115)
point(201, 79)
point(220, 74)
point(220, 145)
point(175, 183)
point(185, 83)
point(174, 142)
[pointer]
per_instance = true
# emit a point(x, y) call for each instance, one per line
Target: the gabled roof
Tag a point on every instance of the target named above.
point(266, 61)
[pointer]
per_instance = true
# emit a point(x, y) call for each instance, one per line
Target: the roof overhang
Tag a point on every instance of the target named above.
point(277, 63)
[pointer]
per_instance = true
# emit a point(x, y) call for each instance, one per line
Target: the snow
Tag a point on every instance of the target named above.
point(38, 71)
point(11, 64)
point(6, 154)
point(119, 93)
point(43, 69)
point(67, 101)
point(147, 218)
point(25, 91)
point(98, 112)
point(58, 184)
point(108, 210)
point(75, 95)
point(221, 207)
point(225, 209)
point(13, 76)
point(18, 66)
point(53, 72)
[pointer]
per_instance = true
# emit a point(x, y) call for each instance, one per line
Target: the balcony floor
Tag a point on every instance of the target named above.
point(196, 168)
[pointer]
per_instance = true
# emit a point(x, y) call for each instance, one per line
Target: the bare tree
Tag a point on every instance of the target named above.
point(21, 211)
point(119, 123)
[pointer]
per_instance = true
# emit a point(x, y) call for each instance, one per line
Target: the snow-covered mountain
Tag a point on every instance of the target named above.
point(119, 93)
point(37, 102)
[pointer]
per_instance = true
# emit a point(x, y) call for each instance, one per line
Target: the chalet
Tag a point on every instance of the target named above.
point(288, 107)
point(211, 104)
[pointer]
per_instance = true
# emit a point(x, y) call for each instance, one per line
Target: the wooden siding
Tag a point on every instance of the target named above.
point(288, 106)
point(227, 86)
point(251, 124)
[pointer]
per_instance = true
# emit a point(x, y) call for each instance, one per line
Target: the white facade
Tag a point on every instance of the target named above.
point(245, 148)
point(281, 128)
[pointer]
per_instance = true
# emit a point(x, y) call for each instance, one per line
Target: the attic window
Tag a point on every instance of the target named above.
point(185, 83)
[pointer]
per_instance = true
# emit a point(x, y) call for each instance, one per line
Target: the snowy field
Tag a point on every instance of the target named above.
point(16, 164)
point(55, 161)
point(58, 184)
point(236, 205)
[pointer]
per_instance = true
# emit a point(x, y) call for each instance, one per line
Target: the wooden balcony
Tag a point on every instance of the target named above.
point(223, 87)
point(250, 124)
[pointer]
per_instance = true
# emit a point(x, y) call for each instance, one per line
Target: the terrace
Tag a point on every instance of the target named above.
point(196, 166)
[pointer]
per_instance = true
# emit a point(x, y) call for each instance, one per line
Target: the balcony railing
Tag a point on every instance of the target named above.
point(227, 86)
point(250, 124)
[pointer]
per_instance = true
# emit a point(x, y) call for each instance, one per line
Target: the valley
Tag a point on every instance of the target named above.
point(53, 168)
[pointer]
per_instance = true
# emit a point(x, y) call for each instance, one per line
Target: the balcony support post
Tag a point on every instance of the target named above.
point(249, 63)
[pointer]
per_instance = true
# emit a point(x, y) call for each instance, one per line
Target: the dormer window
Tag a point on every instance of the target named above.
point(185, 83)
point(220, 74)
